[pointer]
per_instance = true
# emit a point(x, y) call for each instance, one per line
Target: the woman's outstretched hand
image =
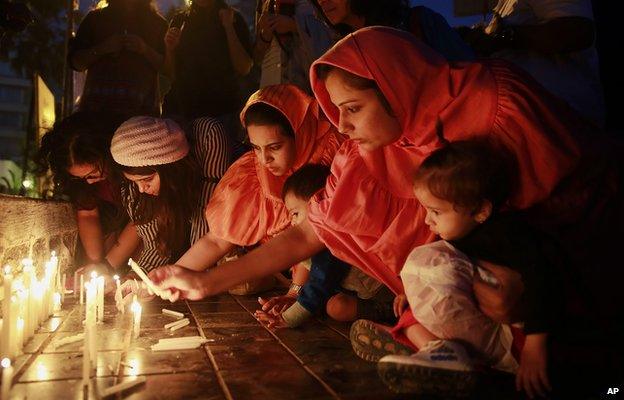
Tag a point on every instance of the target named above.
point(179, 282)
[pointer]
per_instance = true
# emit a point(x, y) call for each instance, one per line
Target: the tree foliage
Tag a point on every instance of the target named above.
point(41, 46)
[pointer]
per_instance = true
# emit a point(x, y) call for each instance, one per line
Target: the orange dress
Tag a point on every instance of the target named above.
point(368, 215)
point(247, 207)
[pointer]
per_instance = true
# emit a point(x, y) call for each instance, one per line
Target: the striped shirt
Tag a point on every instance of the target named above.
point(212, 151)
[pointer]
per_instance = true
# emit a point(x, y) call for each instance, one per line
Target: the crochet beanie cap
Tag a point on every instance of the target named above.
point(143, 141)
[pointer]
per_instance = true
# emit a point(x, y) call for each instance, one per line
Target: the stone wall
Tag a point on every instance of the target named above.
point(33, 228)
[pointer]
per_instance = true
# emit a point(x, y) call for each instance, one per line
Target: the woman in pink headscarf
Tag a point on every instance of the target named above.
point(398, 101)
point(287, 129)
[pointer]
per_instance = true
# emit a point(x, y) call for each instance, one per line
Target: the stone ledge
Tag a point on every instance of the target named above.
point(33, 228)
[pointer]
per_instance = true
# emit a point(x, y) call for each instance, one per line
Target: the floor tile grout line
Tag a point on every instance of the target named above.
point(213, 361)
point(329, 389)
point(334, 329)
point(46, 342)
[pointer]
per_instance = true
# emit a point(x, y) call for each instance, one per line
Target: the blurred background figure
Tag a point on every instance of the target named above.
point(121, 47)
point(553, 40)
point(289, 37)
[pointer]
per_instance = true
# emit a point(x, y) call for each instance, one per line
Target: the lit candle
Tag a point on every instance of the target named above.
point(118, 295)
point(7, 378)
point(29, 277)
point(90, 325)
point(20, 334)
point(136, 309)
point(57, 302)
point(6, 312)
point(63, 286)
point(82, 288)
point(100, 299)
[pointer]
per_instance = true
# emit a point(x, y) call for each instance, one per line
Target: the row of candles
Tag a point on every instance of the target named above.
point(27, 303)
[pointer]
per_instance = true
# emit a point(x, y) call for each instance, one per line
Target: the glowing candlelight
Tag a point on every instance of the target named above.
point(6, 312)
point(136, 309)
point(19, 325)
point(7, 378)
point(57, 302)
point(118, 295)
point(82, 285)
point(100, 299)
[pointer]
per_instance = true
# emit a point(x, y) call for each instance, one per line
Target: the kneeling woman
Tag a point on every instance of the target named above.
point(168, 181)
point(287, 129)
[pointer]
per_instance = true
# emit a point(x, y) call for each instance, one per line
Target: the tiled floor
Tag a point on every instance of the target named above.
point(243, 360)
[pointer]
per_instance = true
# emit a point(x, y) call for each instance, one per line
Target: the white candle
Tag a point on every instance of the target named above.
point(38, 293)
point(91, 320)
point(28, 276)
point(82, 283)
point(64, 285)
point(12, 345)
point(7, 378)
point(172, 324)
point(136, 309)
point(100, 299)
point(75, 285)
point(172, 313)
point(183, 322)
point(6, 312)
point(118, 295)
point(20, 334)
point(57, 302)
point(137, 270)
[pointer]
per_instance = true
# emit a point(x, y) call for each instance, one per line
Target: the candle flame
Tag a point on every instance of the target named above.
point(135, 307)
point(6, 363)
point(53, 253)
point(7, 269)
point(93, 275)
point(116, 277)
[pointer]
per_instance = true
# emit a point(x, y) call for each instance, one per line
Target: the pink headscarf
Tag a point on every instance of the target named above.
point(247, 206)
point(368, 214)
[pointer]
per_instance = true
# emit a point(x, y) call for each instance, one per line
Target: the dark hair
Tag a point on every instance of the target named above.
point(354, 81)
point(264, 114)
point(81, 138)
point(306, 181)
point(175, 205)
point(375, 12)
point(465, 173)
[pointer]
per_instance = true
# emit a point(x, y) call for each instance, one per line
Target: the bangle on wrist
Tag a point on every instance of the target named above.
point(294, 289)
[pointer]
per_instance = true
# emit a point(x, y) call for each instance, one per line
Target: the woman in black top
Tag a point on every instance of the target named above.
point(207, 50)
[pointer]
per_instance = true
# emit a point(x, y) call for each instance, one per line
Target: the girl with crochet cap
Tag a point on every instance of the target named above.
point(398, 101)
point(168, 181)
